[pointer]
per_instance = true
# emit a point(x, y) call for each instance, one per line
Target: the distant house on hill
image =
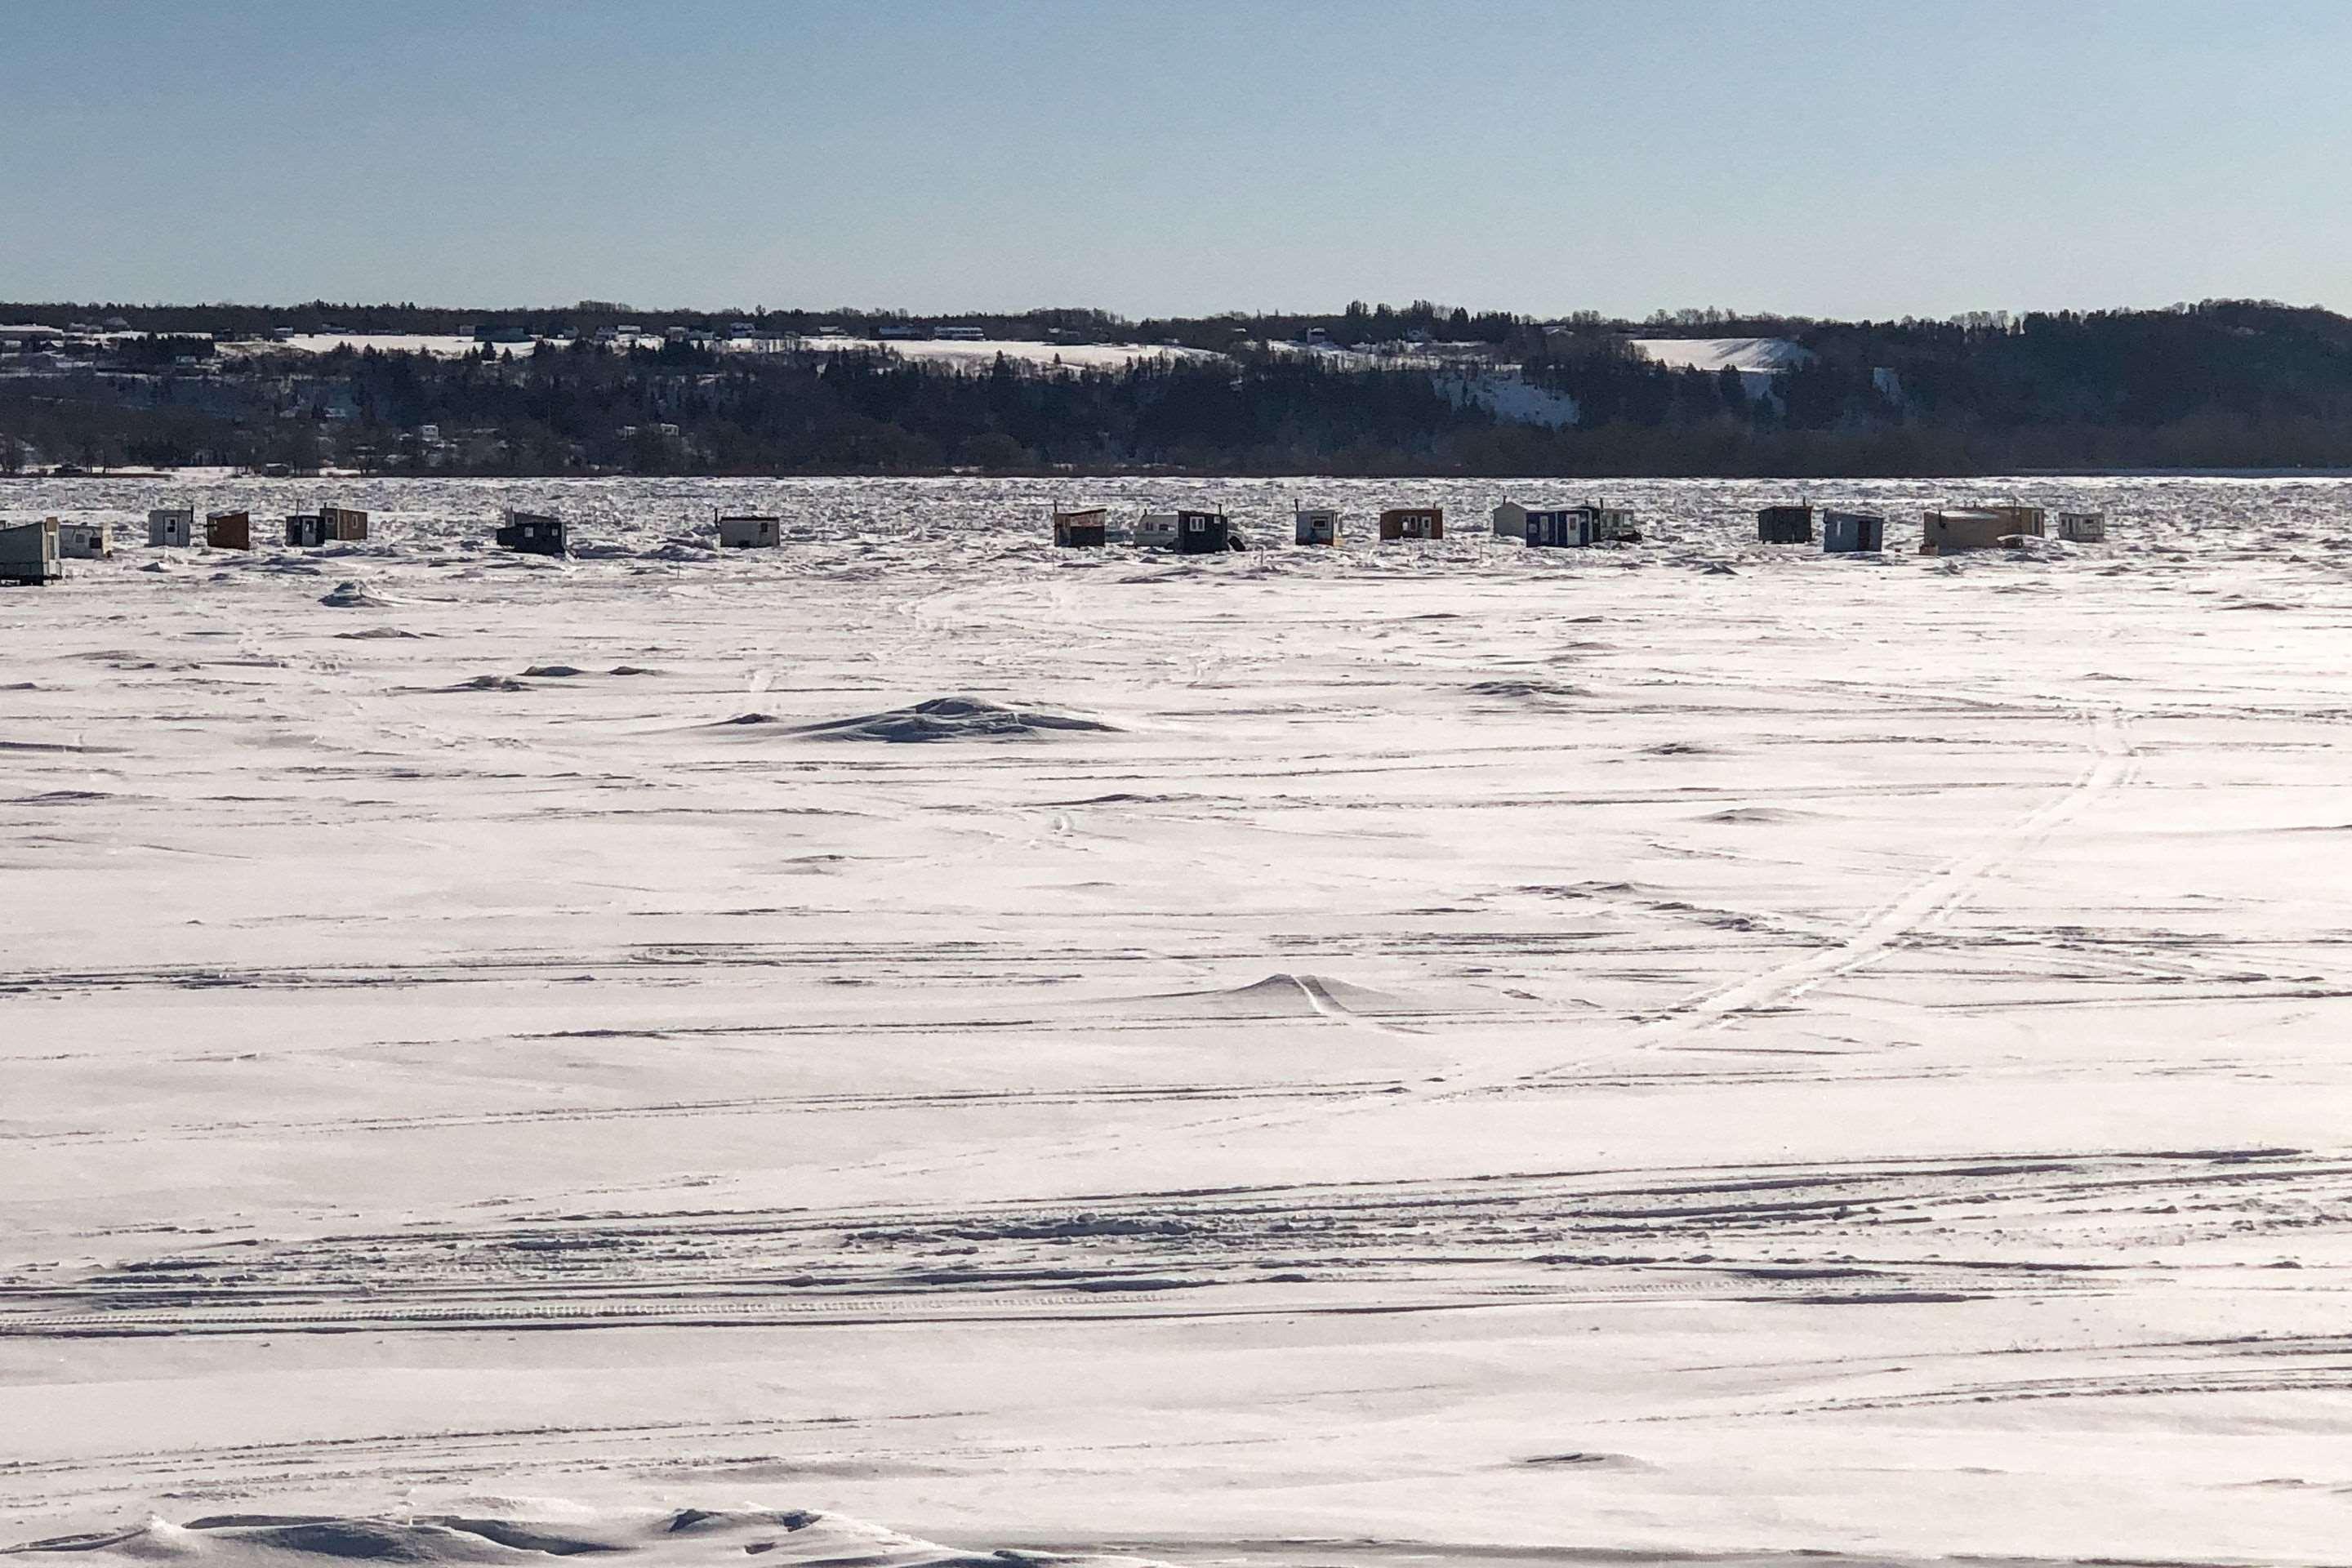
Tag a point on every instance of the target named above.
point(1784, 525)
point(172, 525)
point(1978, 528)
point(1085, 530)
point(963, 334)
point(1315, 525)
point(1852, 533)
point(751, 530)
point(1413, 523)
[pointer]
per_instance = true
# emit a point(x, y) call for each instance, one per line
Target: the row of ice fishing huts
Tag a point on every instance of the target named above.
point(1578, 527)
point(30, 552)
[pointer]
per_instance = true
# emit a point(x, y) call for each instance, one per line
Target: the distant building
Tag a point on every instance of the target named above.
point(1413, 523)
point(532, 533)
point(28, 554)
point(174, 526)
point(1852, 533)
point(961, 334)
point(2082, 527)
point(228, 531)
point(902, 330)
point(84, 540)
point(1315, 525)
point(1578, 527)
point(1085, 530)
point(751, 530)
point(1784, 525)
point(1979, 528)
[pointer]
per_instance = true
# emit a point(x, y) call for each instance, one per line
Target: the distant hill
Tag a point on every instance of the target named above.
point(600, 387)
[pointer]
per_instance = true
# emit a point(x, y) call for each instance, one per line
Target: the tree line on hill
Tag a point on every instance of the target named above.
point(2224, 384)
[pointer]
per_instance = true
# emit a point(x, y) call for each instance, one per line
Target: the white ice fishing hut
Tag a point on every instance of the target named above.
point(751, 530)
point(171, 526)
point(85, 541)
point(1315, 525)
point(1852, 533)
point(2082, 527)
point(1510, 520)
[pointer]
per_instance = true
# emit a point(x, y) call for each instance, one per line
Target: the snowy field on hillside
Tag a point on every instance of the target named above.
point(915, 1045)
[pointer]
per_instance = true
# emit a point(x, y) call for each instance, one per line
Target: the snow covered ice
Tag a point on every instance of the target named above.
point(1320, 1057)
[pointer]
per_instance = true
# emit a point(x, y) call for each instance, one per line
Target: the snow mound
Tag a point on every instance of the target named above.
point(488, 683)
point(950, 719)
point(1286, 995)
point(355, 596)
point(656, 1538)
point(373, 634)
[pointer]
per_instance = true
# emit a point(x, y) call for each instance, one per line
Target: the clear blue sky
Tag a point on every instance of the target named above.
point(1899, 156)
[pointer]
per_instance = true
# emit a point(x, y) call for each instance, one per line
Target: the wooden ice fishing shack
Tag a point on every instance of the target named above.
point(1784, 524)
point(1413, 523)
point(1979, 528)
point(228, 530)
point(1087, 529)
point(305, 530)
point(342, 524)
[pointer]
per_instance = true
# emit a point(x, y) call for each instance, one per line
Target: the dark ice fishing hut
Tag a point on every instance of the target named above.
point(532, 533)
point(1202, 533)
point(28, 554)
point(1784, 525)
point(1575, 527)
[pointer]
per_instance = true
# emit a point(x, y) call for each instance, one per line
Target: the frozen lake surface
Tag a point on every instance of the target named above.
point(1393, 1053)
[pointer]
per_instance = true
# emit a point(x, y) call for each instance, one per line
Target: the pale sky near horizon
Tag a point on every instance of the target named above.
point(1825, 158)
